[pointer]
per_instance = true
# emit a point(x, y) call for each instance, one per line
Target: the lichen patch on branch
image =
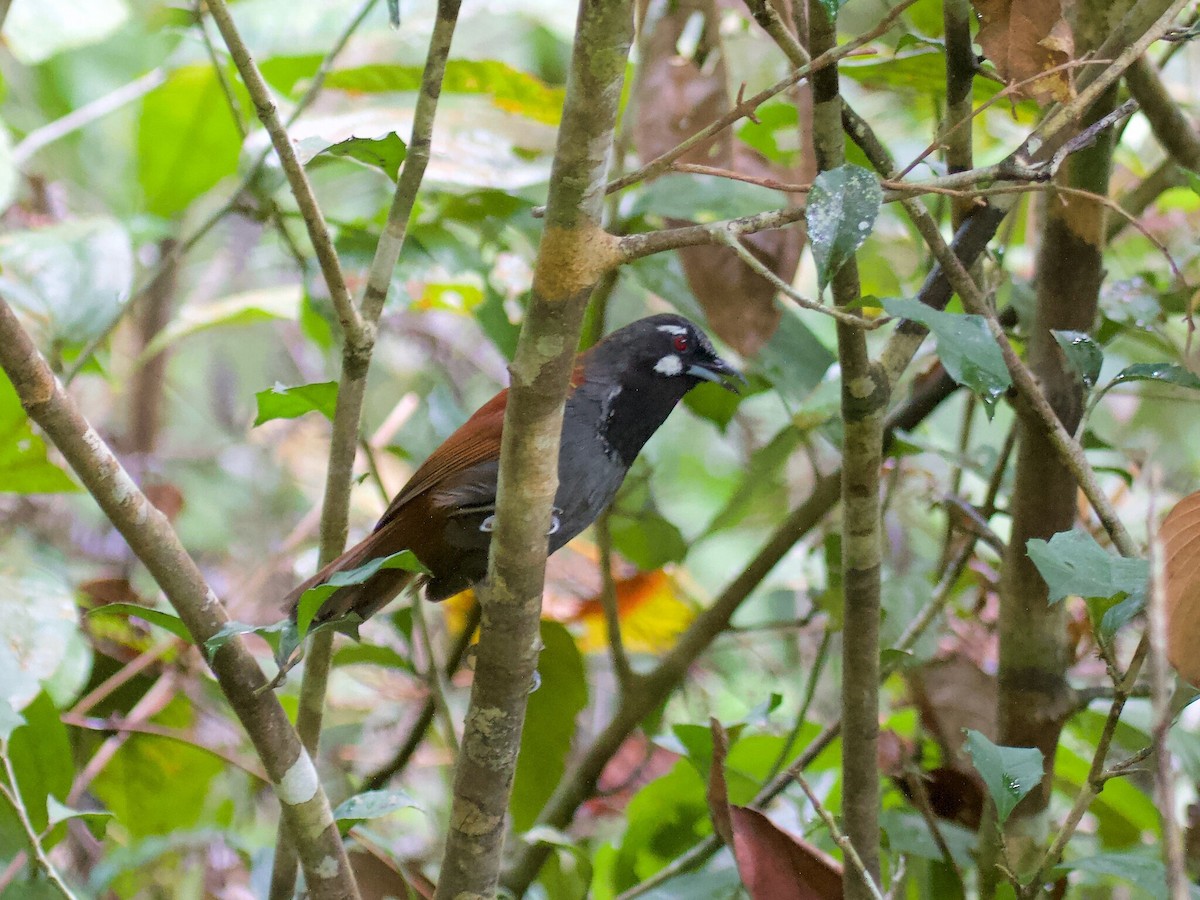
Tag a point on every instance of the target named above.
point(571, 260)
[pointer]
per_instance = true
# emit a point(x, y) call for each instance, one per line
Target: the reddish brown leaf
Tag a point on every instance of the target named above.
point(1024, 38)
point(1180, 537)
point(103, 591)
point(166, 497)
point(775, 865)
point(717, 793)
point(953, 694)
point(676, 96)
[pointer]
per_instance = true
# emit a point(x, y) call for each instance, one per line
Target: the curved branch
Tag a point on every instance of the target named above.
point(150, 536)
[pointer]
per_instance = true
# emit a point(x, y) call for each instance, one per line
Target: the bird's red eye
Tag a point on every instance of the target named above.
point(680, 342)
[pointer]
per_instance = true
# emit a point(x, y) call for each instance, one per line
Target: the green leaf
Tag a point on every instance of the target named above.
point(264, 305)
point(831, 7)
point(549, 724)
point(187, 139)
point(1193, 179)
point(646, 538)
point(703, 199)
point(1009, 772)
point(1073, 564)
point(371, 654)
point(41, 648)
point(59, 812)
point(794, 360)
point(311, 600)
point(774, 133)
point(386, 152)
point(664, 819)
point(965, 346)
point(1165, 372)
point(273, 634)
point(509, 89)
point(917, 72)
point(282, 402)
point(71, 279)
point(24, 466)
point(1143, 868)
point(1082, 353)
point(35, 32)
point(371, 805)
point(40, 754)
point(155, 785)
point(161, 618)
point(842, 207)
point(908, 833)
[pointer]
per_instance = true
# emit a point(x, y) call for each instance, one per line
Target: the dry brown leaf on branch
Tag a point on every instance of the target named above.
point(1024, 38)
point(1179, 535)
point(773, 864)
point(675, 97)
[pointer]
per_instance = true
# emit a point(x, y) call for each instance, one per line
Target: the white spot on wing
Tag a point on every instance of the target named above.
point(673, 329)
point(669, 365)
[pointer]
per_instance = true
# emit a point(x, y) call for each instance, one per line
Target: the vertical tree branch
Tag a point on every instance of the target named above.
point(356, 358)
point(573, 253)
point(864, 399)
point(1035, 699)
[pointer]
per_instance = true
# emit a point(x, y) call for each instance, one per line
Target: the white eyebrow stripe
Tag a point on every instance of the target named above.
point(673, 329)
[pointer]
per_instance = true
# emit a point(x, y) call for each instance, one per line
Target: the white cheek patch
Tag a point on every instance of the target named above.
point(673, 329)
point(669, 365)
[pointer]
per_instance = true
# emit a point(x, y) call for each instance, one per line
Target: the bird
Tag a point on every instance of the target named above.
point(622, 389)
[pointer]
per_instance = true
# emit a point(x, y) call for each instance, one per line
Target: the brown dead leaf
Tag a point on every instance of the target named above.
point(1180, 538)
point(954, 794)
point(773, 864)
point(676, 96)
point(953, 694)
point(1024, 38)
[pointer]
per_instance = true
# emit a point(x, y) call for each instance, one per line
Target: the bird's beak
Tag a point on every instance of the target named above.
point(718, 372)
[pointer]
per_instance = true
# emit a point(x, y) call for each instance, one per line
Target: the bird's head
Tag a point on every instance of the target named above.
point(668, 347)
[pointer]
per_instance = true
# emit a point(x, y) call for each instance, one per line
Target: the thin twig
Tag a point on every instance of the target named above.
point(356, 358)
point(849, 319)
point(434, 680)
point(1160, 704)
point(915, 780)
point(741, 110)
point(851, 855)
point(314, 220)
point(11, 792)
point(610, 602)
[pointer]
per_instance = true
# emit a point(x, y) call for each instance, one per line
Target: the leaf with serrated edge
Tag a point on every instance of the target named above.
point(965, 346)
point(1082, 353)
point(1009, 772)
